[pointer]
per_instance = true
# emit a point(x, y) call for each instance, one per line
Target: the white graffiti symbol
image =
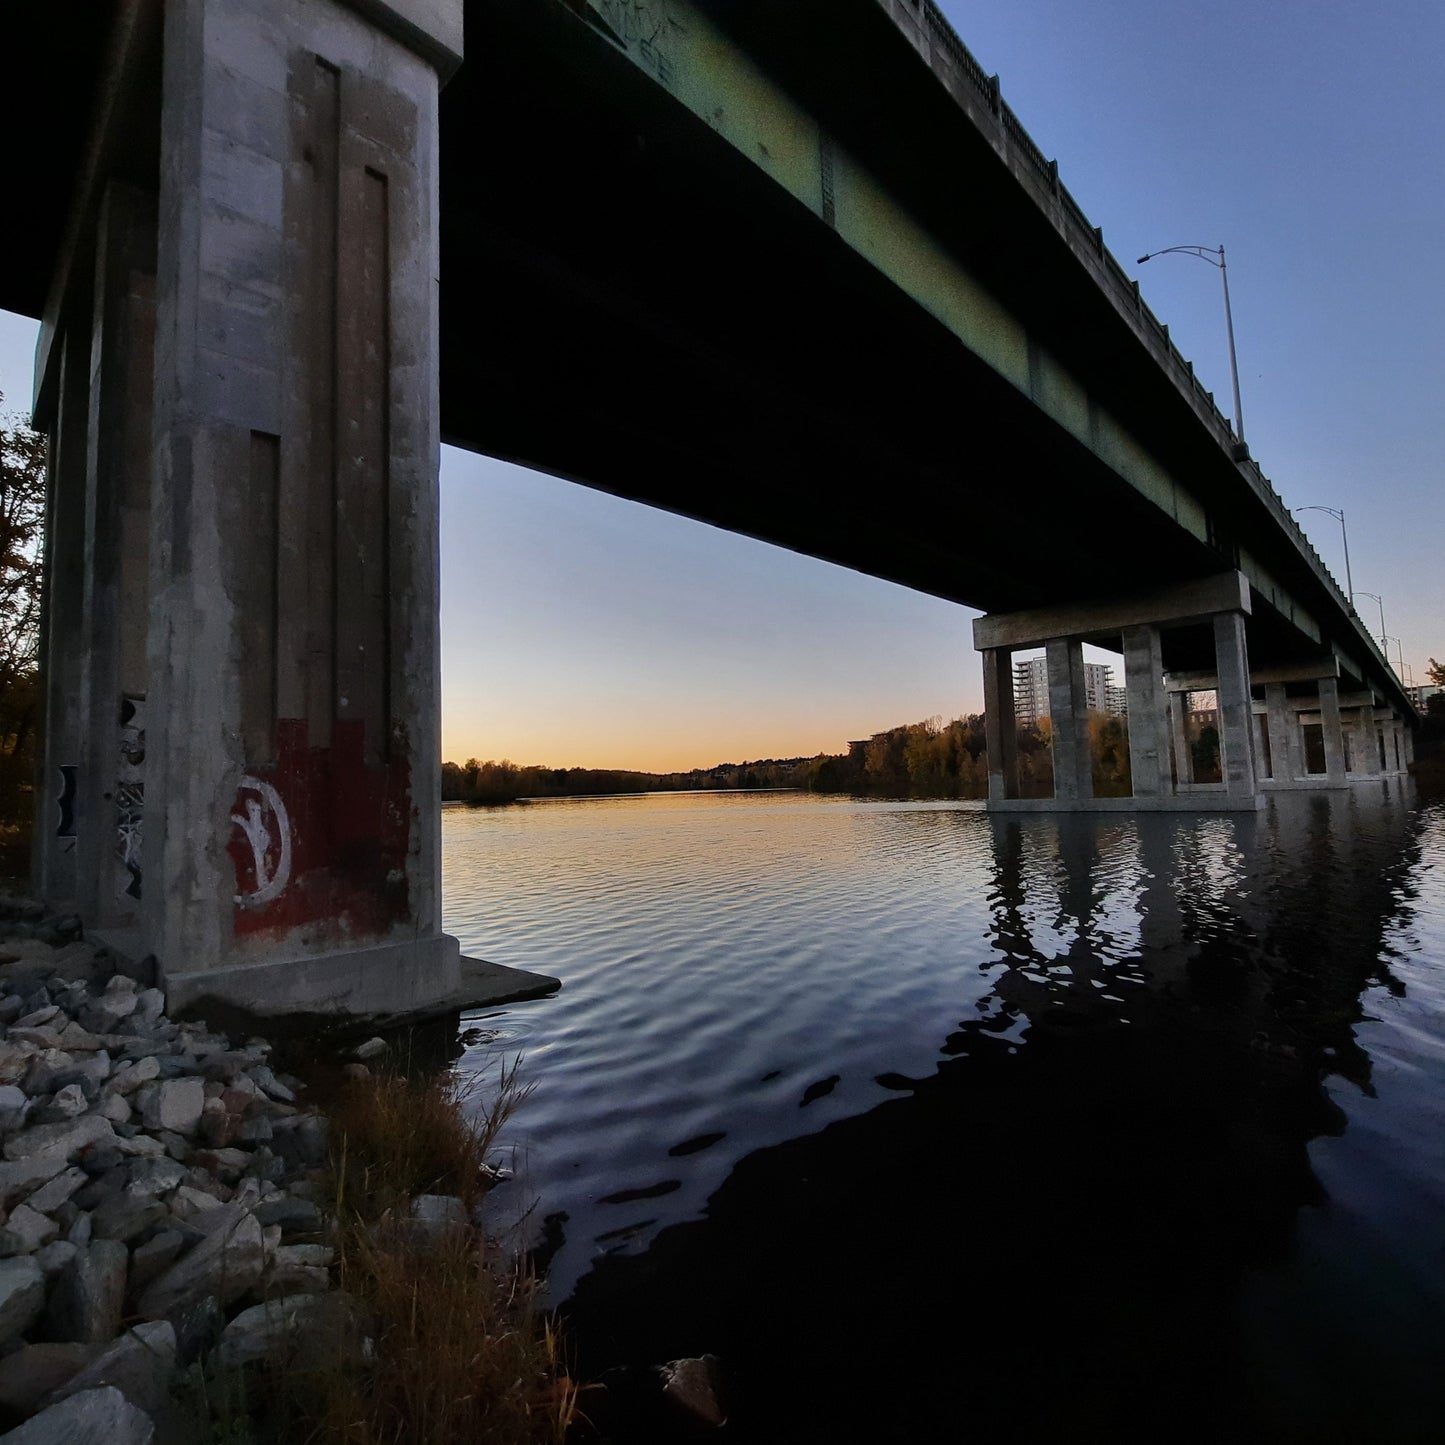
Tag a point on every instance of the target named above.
point(256, 823)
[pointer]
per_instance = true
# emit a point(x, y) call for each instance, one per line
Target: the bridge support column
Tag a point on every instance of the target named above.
point(293, 815)
point(1179, 736)
point(1236, 713)
point(1333, 733)
point(242, 536)
point(1139, 627)
point(1069, 718)
point(1284, 735)
point(1409, 742)
point(111, 781)
point(1000, 724)
point(62, 636)
point(1148, 713)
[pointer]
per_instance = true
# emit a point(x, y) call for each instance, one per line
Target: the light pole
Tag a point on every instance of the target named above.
point(1383, 644)
point(1404, 673)
point(1338, 513)
point(1215, 258)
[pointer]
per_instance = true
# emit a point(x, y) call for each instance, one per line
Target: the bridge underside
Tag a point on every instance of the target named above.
point(239, 371)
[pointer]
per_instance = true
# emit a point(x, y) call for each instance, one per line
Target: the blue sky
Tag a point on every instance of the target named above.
point(1302, 134)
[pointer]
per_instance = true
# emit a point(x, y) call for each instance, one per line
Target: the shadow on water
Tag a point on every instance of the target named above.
point(1058, 1233)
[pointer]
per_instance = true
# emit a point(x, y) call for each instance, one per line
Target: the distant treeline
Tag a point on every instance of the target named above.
point(929, 759)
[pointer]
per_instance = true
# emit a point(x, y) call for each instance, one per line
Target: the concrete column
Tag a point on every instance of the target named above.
point(1236, 712)
point(1333, 731)
point(1000, 724)
point(62, 635)
point(1397, 745)
point(112, 786)
point(1069, 716)
point(1148, 713)
point(1367, 744)
point(1179, 735)
point(1284, 735)
point(1409, 739)
point(292, 841)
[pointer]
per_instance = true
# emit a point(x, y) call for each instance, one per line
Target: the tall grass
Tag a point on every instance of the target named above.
point(460, 1349)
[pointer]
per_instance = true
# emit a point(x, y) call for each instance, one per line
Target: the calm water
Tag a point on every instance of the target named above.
point(936, 1125)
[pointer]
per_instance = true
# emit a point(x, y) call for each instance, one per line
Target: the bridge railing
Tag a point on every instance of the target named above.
point(1122, 289)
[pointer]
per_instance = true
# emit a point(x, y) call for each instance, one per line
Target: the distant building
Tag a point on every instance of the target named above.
point(1420, 693)
point(1031, 690)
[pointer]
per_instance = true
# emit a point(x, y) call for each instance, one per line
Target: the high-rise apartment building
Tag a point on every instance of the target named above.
point(1031, 690)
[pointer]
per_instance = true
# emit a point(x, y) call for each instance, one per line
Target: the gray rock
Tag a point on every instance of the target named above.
point(198, 1328)
point(64, 1141)
point(54, 1257)
point(369, 1050)
point(93, 1417)
point(121, 983)
point(15, 1060)
point(116, 1108)
point(226, 1263)
point(156, 1254)
point(126, 1217)
point(79, 1040)
point(44, 1037)
point(104, 1015)
point(78, 1233)
point(139, 1364)
point(153, 1177)
point(693, 1386)
point(173, 1104)
point(139, 1145)
point(85, 1300)
point(132, 1075)
point(271, 1085)
point(90, 1071)
point(13, 1100)
point(68, 1103)
point(34, 1371)
point(49, 1197)
point(295, 1216)
point(282, 1328)
point(10, 1007)
point(22, 1297)
point(25, 1176)
point(47, 1067)
point(150, 1004)
point(42, 1015)
point(26, 1231)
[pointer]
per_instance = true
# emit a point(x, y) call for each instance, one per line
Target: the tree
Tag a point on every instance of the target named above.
point(1436, 672)
point(22, 528)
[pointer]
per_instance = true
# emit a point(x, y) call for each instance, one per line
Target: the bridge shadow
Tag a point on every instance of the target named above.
point(1053, 1235)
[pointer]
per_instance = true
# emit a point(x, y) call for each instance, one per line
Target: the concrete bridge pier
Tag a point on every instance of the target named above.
point(1137, 626)
point(243, 374)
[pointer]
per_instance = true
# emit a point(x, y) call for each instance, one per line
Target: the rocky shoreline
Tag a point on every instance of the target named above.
point(161, 1200)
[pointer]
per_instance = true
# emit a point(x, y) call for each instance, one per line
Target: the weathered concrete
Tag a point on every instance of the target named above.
point(242, 653)
point(1148, 713)
point(1334, 734)
point(1069, 719)
point(1285, 746)
point(1236, 721)
point(1000, 722)
point(1194, 601)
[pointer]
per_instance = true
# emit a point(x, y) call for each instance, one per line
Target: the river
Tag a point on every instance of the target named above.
point(938, 1125)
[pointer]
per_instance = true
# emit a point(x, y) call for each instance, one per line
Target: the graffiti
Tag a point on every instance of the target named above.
point(268, 831)
point(130, 796)
point(644, 26)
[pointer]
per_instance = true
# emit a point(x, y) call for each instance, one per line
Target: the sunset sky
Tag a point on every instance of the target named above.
point(1303, 134)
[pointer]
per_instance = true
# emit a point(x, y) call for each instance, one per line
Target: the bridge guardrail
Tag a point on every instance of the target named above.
point(1124, 291)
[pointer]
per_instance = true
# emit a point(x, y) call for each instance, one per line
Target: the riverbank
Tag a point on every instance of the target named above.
point(195, 1245)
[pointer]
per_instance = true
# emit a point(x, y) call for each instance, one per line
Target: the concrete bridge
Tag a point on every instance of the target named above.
point(795, 270)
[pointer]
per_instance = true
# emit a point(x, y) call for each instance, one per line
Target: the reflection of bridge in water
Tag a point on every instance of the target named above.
point(795, 270)
point(1082, 1224)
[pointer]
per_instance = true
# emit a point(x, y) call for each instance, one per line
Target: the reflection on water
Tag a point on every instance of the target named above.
point(935, 1124)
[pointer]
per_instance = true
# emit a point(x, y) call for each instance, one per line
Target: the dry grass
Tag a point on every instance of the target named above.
point(460, 1349)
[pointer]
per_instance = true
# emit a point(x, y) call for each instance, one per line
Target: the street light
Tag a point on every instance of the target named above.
point(1403, 672)
point(1339, 515)
point(1215, 258)
point(1383, 644)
